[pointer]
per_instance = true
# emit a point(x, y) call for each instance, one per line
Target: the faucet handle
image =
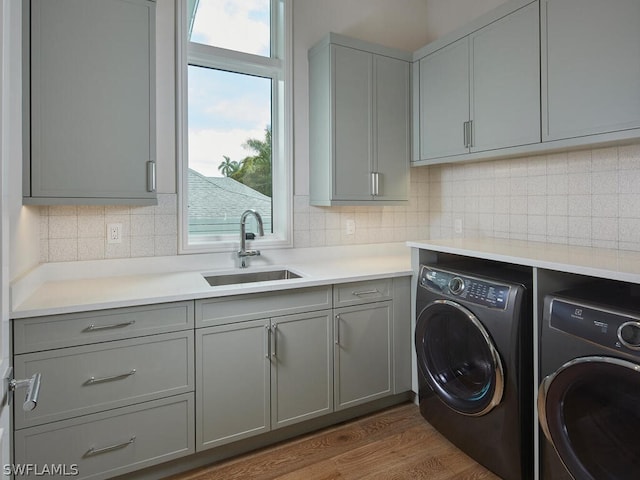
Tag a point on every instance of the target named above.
point(250, 236)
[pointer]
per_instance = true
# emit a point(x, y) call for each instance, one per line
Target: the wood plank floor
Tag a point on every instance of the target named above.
point(394, 444)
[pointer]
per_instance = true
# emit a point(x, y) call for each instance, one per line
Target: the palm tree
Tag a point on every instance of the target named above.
point(228, 167)
point(255, 171)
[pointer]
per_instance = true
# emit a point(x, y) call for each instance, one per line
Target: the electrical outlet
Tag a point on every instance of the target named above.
point(114, 233)
point(457, 226)
point(350, 227)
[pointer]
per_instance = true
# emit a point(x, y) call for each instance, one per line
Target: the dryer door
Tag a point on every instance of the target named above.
point(458, 358)
point(589, 410)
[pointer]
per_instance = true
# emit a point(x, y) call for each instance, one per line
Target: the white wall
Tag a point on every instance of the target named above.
point(447, 15)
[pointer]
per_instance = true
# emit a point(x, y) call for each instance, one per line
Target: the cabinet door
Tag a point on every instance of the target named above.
point(92, 98)
point(362, 353)
point(505, 79)
point(392, 113)
point(590, 67)
point(352, 102)
point(232, 383)
point(301, 367)
point(444, 101)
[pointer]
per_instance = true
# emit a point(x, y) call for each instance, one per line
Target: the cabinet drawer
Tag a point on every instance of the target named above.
point(57, 331)
point(111, 443)
point(82, 380)
point(240, 308)
point(356, 293)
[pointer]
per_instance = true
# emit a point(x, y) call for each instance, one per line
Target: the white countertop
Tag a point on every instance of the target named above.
point(596, 262)
point(80, 286)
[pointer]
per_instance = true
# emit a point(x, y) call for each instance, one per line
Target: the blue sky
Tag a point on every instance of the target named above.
point(226, 109)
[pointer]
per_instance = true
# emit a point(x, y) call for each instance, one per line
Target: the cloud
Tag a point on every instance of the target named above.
point(207, 148)
point(234, 24)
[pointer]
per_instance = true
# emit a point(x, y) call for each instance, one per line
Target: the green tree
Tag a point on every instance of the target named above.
point(228, 167)
point(255, 170)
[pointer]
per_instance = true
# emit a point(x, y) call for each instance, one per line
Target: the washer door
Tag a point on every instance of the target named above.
point(590, 411)
point(458, 359)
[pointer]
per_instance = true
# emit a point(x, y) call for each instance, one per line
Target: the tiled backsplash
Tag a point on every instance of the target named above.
point(327, 226)
point(586, 197)
point(69, 233)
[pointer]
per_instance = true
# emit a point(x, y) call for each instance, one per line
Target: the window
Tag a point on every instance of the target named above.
point(233, 122)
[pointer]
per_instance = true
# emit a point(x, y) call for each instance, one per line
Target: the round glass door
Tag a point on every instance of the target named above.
point(590, 411)
point(458, 359)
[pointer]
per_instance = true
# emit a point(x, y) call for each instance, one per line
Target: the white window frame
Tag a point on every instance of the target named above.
point(279, 68)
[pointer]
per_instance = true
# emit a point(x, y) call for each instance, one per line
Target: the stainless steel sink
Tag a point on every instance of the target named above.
point(250, 277)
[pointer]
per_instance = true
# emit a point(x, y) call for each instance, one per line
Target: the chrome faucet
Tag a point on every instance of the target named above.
point(243, 253)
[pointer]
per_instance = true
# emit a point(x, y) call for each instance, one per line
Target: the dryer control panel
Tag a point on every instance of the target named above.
point(472, 289)
point(600, 324)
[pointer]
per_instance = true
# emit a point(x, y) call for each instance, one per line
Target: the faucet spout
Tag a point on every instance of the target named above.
point(243, 252)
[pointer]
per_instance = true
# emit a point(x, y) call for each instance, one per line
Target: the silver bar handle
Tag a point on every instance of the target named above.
point(94, 380)
point(376, 177)
point(336, 334)
point(366, 292)
point(373, 183)
point(93, 328)
point(151, 176)
point(267, 336)
point(274, 341)
point(464, 135)
point(97, 451)
point(33, 390)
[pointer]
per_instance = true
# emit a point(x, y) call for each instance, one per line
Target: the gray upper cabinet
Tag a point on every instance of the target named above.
point(359, 121)
point(482, 91)
point(90, 102)
point(590, 67)
point(505, 94)
point(444, 101)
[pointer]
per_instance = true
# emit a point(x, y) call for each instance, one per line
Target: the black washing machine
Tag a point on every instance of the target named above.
point(474, 348)
point(589, 398)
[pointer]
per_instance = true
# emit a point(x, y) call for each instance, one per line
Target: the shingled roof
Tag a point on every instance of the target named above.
point(216, 204)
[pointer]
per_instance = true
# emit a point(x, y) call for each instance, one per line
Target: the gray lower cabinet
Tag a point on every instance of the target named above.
point(81, 380)
point(90, 97)
point(362, 354)
point(262, 374)
point(129, 388)
point(113, 398)
point(111, 443)
point(590, 67)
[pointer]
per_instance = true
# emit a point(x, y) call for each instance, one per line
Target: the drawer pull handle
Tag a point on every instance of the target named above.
point(366, 292)
point(94, 380)
point(93, 328)
point(33, 389)
point(97, 451)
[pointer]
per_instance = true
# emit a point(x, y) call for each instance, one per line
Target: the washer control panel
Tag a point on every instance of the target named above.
point(598, 324)
point(471, 289)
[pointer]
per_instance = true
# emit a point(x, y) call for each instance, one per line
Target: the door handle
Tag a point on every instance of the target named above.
point(274, 340)
point(267, 337)
point(151, 176)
